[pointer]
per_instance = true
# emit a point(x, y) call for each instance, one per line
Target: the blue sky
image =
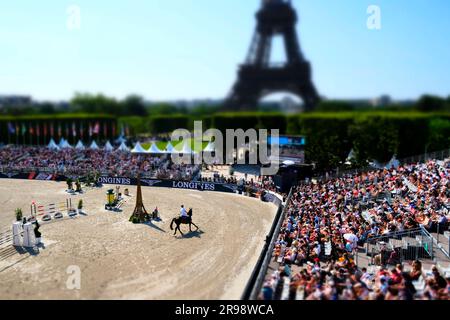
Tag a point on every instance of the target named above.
point(184, 49)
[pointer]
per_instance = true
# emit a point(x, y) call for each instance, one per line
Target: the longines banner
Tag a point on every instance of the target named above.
point(190, 185)
point(193, 185)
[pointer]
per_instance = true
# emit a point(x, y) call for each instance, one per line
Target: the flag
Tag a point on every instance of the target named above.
point(45, 129)
point(31, 130)
point(105, 129)
point(81, 131)
point(67, 130)
point(38, 130)
point(59, 130)
point(52, 130)
point(17, 128)
point(127, 130)
point(74, 129)
point(90, 130)
point(113, 129)
point(96, 128)
point(11, 129)
point(122, 130)
point(24, 128)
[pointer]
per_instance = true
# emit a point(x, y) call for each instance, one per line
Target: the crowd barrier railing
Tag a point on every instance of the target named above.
point(256, 281)
point(397, 247)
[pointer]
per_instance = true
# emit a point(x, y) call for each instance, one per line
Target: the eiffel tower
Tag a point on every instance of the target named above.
point(139, 211)
point(257, 77)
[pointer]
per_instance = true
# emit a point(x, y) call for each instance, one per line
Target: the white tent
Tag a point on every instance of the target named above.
point(61, 142)
point(288, 163)
point(65, 145)
point(376, 164)
point(210, 147)
point(186, 149)
point(121, 139)
point(123, 147)
point(154, 149)
point(350, 157)
point(79, 145)
point(52, 145)
point(393, 163)
point(138, 149)
point(94, 146)
point(169, 148)
point(108, 146)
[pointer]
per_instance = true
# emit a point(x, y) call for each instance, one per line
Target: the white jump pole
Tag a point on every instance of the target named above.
point(28, 235)
point(17, 230)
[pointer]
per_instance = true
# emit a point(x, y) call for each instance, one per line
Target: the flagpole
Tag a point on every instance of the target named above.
point(9, 132)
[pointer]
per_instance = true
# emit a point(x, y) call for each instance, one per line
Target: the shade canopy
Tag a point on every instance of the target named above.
point(138, 149)
point(123, 147)
point(52, 145)
point(108, 146)
point(210, 147)
point(169, 148)
point(61, 142)
point(393, 163)
point(186, 149)
point(121, 139)
point(154, 149)
point(65, 144)
point(94, 146)
point(288, 163)
point(80, 145)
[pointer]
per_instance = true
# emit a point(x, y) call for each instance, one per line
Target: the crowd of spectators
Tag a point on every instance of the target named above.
point(326, 221)
point(73, 161)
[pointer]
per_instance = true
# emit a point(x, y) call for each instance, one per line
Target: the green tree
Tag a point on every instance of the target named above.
point(96, 104)
point(439, 138)
point(431, 103)
point(134, 105)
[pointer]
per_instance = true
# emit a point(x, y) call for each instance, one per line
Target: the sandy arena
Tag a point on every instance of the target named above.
point(119, 260)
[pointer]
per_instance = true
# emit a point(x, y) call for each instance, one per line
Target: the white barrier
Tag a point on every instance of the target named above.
point(28, 235)
point(17, 233)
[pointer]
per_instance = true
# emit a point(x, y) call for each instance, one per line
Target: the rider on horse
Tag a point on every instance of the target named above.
point(184, 218)
point(183, 214)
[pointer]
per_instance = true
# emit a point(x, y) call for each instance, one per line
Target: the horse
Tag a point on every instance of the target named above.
point(180, 220)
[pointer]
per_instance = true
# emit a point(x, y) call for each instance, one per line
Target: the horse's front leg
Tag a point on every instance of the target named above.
point(195, 226)
point(190, 229)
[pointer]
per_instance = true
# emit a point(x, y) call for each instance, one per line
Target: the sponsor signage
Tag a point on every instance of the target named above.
point(175, 184)
point(189, 185)
point(115, 180)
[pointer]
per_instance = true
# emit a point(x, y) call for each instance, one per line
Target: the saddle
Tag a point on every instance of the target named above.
point(185, 220)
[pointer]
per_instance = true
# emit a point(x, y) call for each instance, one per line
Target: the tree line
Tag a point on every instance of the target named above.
point(135, 105)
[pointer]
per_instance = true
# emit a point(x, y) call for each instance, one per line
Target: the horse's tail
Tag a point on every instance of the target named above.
point(171, 224)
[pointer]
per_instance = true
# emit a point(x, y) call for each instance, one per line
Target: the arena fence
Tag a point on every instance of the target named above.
point(256, 281)
point(397, 247)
